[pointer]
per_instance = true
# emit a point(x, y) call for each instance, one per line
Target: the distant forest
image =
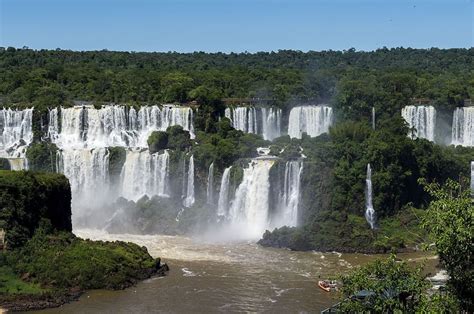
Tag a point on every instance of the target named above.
point(352, 80)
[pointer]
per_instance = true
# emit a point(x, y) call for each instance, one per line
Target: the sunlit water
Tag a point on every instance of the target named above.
point(221, 277)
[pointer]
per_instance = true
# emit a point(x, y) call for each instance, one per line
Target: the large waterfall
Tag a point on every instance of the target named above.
point(16, 133)
point(210, 185)
point(369, 208)
point(84, 133)
point(263, 121)
point(421, 120)
point(145, 174)
point(223, 203)
point(87, 127)
point(189, 200)
point(249, 208)
point(290, 195)
point(88, 173)
point(314, 120)
point(463, 126)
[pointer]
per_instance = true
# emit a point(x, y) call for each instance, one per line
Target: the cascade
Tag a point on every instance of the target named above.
point(88, 173)
point(189, 200)
point(223, 202)
point(373, 118)
point(145, 174)
point(290, 195)
point(53, 125)
point(314, 120)
point(18, 163)
point(422, 119)
point(369, 208)
point(472, 178)
point(263, 121)
point(16, 132)
point(249, 208)
point(113, 125)
point(210, 185)
point(271, 126)
point(463, 126)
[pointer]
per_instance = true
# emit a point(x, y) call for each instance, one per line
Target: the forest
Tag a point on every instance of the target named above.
point(350, 80)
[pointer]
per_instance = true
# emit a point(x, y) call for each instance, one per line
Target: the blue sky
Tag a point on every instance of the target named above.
point(231, 25)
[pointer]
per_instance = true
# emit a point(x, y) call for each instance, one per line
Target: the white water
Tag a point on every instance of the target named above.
point(210, 185)
point(88, 174)
point(263, 121)
point(369, 208)
point(373, 118)
point(145, 174)
point(113, 125)
point(290, 195)
point(249, 209)
point(223, 203)
point(16, 132)
point(422, 119)
point(463, 126)
point(472, 178)
point(189, 200)
point(314, 120)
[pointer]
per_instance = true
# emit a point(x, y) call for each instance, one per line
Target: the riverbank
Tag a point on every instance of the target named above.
point(55, 269)
point(226, 277)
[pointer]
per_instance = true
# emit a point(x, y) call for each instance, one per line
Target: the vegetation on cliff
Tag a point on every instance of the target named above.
point(44, 264)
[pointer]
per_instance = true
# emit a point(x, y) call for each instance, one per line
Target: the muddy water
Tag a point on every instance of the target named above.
point(224, 278)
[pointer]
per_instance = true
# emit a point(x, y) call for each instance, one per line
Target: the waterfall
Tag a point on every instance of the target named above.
point(249, 208)
point(18, 163)
point(223, 202)
point(369, 208)
point(463, 126)
point(373, 118)
point(290, 195)
point(113, 125)
point(262, 121)
point(16, 132)
point(314, 120)
point(472, 178)
point(271, 126)
point(88, 174)
point(145, 174)
point(422, 119)
point(53, 125)
point(189, 200)
point(210, 185)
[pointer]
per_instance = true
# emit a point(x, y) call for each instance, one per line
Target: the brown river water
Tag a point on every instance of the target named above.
point(213, 277)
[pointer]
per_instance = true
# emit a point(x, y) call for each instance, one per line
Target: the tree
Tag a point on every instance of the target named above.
point(388, 285)
point(450, 221)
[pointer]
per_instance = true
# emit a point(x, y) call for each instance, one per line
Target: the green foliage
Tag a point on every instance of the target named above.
point(4, 164)
point(356, 80)
point(391, 285)
point(10, 283)
point(26, 198)
point(157, 141)
point(178, 138)
point(61, 260)
point(42, 156)
point(225, 146)
point(450, 221)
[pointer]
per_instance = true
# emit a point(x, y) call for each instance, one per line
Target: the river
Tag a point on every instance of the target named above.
point(213, 277)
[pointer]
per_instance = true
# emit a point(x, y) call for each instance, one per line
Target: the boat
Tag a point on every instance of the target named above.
point(327, 285)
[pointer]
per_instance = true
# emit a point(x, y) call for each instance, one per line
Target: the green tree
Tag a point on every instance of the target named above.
point(450, 221)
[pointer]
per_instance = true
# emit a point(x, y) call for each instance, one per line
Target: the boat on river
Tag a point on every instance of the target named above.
point(327, 285)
